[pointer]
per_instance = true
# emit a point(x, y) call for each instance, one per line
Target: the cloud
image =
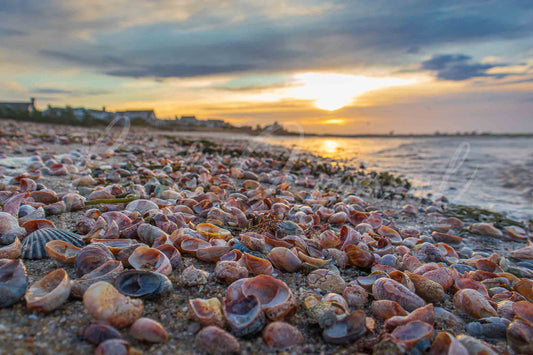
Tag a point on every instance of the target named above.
point(179, 70)
point(458, 67)
point(194, 38)
point(68, 92)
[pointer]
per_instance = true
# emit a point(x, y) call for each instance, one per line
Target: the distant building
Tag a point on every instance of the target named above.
point(189, 121)
point(102, 114)
point(11, 107)
point(215, 123)
point(147, 116)
point(273, 127)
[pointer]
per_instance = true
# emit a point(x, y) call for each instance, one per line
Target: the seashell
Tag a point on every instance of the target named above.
point(44, 196)
point(257, 266)
point(13, 281)
point(148, 233)
point(486, 229)
point(425, 314)
point(429, 290)
point(473, 303)
point(86, 180)
point(359, 257)
point(442, 276)
point(9, 229)
point(232, 255)
point(523, 253)
point(146, 329)
point(214, 340)
point(97, 333)
point(446, 344)
point(55, 208)
point(446, 238)
point(347, 330)
point(320, 312)
point(212, 254)
point(284, 259)
point(244, 315)
point(326, 280)
point(328, 239)
point(476, 346)
point(11, 251)
point(62, 251)
point(410, 210)
point(192, 245)
point(338, 218)
point(412, 333)
point(464, 283)
point(516, 233)
point(386, 309)
point(274, 295)
point(525, 288)
point(207, 311)
point(141, 206)
point(388, 289)
point(34, 245)
point(339, 256)
point(106, 303)
point(150, 259)
point(255, 241)
point(447, 319)
point(281, 335)
point(192, 276)
point(355, 295)
point(113, 347)
point(410, 262)
point(49, 293)
point(146, 284)
point(210, 231)
point(522, 310)
point(172, 254)
point(230, 271)
point(491, 328)
point(367, 281)
point(520, 336)
point(115, 245)
point(338, 303)
point(91, 257)
point(105, 272)
point(403, 279)
point(34, 224)
point(73, 202)
point(125, 253)
point(394, 237)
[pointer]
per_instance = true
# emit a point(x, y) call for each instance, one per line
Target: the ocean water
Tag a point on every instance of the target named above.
point(490, 172)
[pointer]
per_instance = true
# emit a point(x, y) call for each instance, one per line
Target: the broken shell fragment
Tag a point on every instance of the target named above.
point(274, 295)
point(62, 251)
point(327, 280)
point(150, 259)
point(50, 292)
point(105, 272)
point(207, 311)
point(147, 284)
point(347, 330)
point(244, 315)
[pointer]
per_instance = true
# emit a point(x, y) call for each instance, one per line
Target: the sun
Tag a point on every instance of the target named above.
point(330, 91)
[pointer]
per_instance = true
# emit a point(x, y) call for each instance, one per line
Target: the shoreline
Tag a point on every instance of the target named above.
point(24, 330)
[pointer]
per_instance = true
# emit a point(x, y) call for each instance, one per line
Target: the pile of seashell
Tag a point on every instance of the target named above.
point(301, 263)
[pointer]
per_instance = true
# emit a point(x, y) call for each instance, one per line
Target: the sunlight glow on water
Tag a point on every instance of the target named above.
point(490, 172)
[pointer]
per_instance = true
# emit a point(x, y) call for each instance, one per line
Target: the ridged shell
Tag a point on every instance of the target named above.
point(34, 245)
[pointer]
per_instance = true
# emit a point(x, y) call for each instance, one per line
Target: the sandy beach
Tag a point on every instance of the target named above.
point(374, 226)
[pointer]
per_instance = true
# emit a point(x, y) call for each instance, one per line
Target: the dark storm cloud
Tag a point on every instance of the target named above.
point(348, 34)
point(459, 67)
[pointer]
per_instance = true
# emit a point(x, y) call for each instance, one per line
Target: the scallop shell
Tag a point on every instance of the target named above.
point(34, 245)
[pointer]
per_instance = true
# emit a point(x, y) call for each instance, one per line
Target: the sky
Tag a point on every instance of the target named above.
point(338, 66)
